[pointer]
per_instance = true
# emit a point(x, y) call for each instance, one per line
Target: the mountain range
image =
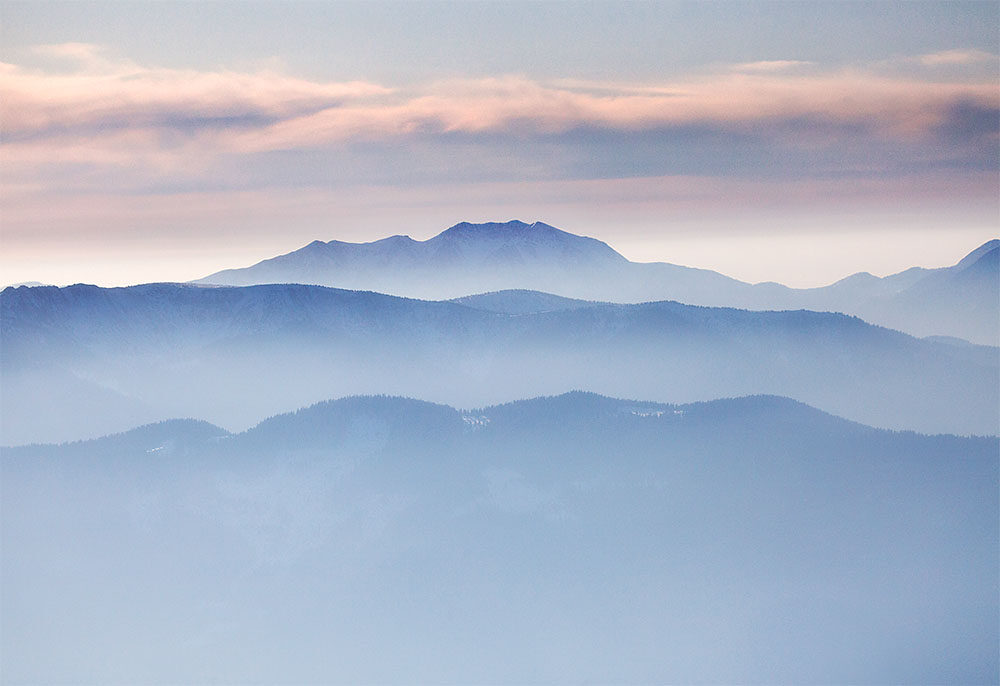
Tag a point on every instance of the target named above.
point(961, 301)
point(569, 539)
point(742, 522)
point(83, 361)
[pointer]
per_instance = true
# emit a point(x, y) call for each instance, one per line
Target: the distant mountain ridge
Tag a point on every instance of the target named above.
point(595, 539)
point(330, 424)
point(233, 355)
point(961, 301)
point(463, 259)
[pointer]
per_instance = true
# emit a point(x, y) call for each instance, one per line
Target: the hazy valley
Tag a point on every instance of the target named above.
point(739, 520)
point(272, 413)
point(235, 355)
point(383, 539)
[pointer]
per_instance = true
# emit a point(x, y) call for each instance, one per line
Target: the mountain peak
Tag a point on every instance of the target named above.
point(514, 227)
point(485, 229)
point(979, 252)
point(521, 241)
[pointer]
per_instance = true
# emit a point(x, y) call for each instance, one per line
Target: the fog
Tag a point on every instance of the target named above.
point(82, 361)
point(786, 496)
point(563, 540)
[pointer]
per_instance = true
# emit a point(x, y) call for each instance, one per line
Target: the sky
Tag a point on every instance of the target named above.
point(795, 142)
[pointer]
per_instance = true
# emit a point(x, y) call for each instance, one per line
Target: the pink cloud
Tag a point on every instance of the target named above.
point(137, 96)
point(121, 94)
point(897, 107)
point(115, 112)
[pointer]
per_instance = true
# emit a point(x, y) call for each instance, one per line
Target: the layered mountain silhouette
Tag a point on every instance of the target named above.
point(961, 301)
point(82, 361)
point(562, 539)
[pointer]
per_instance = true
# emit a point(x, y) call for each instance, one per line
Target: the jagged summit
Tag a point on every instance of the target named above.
point(517, 242)
point(503, 230)
point(487, 227)
point(516, 231)
point(465, 258)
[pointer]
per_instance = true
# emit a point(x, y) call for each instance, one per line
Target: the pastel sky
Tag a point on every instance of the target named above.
point(797, 142)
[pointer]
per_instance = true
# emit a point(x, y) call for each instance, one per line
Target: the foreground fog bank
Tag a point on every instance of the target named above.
point(558, 540)
point(84, 361)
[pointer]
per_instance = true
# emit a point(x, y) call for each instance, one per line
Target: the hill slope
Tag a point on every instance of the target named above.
point(234, 355)
point(568, 539)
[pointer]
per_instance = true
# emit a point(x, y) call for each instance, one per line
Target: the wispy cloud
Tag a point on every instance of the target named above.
point(771, 65)
point(736, 100)
point(81, 53)
point(952, 57)
point(115, 95)
point(114, 113)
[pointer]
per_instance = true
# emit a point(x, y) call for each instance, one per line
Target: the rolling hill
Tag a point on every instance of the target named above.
point(234, 355)
point(562, 539)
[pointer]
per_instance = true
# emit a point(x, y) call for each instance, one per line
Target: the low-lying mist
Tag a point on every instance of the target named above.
point(561, 540)
point(82, 361)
